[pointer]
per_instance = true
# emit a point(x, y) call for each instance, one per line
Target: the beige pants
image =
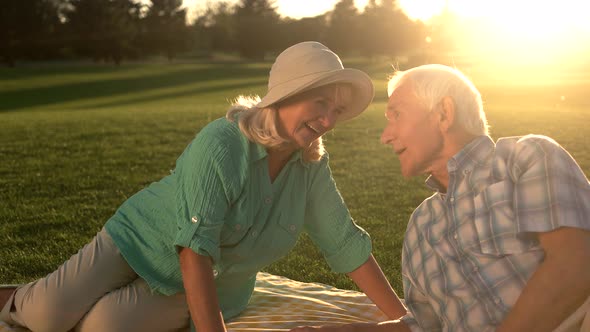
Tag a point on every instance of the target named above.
point(95, 290)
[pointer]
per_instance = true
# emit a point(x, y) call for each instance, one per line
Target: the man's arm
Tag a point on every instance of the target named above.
point(371, 280)
point(558, 287)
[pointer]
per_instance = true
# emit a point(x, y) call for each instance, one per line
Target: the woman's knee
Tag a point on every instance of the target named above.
point(49, 315)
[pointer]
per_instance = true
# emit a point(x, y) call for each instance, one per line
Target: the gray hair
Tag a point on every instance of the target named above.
point(431, 83)
point(259, 126)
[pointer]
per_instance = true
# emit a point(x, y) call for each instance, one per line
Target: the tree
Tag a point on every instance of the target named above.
point(343, 28)
point(165, 27)
point(255, 22)
point(28, 29)
point(293, 31)
point(387, 30)
point(104, 29)
point(215, 27)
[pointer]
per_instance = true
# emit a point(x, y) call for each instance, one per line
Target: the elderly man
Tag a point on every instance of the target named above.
point(504, 242)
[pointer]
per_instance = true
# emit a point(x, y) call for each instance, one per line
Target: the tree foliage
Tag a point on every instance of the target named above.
point(215, 28)
point(28, 29)
point(343, 29)
point(113, 30)
point(165, 30)
point(104, 29)
point(254, 22)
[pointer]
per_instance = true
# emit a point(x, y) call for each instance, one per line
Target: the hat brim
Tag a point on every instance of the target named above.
point(362, 85)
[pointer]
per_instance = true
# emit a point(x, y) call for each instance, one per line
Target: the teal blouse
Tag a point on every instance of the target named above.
point(219, 202)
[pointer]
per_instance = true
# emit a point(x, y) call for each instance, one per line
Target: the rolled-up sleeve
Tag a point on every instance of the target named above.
point(204, 190)
point(344, 245)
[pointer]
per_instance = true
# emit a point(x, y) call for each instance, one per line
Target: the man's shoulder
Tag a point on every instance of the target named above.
point(527, 149)
point(515, 144)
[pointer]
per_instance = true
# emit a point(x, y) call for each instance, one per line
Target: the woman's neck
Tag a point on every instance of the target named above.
point(277, 159)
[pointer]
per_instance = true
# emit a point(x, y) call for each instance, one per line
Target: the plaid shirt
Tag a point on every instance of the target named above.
point(468, 253)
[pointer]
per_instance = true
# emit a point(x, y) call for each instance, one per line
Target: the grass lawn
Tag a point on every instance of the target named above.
point(77, 140)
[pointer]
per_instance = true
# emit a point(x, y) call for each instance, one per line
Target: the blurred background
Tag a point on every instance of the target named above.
point(99, 97)
point(525, 32)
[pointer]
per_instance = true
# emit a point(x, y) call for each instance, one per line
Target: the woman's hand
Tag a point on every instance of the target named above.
point(371, 280)
point(326, 328)
point(388, 326)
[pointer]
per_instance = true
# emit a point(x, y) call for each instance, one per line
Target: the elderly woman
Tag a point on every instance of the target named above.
point(188, 248)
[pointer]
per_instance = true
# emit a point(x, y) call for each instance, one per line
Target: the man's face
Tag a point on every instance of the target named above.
point(412, 131)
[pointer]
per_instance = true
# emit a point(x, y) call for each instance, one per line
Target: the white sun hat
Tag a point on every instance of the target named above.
point(309, 65)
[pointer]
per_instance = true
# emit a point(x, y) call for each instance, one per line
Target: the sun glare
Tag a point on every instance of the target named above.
point(422, 9)
point(520, 30)
point(303, 8)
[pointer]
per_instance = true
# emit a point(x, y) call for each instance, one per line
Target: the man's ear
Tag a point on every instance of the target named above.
point(447, 113)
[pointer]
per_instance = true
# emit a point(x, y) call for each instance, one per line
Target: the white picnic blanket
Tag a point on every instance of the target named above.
point(279, 304)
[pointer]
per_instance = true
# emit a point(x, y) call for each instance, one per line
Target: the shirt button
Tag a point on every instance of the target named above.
point(195, 220)
point(267, 200)
point(452, 199)
point(497, 300)
point(254, 233)
point(455, 236)
point(215, 273)
point(466, 171)
point(292, 228)
point(238, 227)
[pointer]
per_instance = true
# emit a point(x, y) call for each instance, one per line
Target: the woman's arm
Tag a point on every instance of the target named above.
point(371, 280)
point(201, 295)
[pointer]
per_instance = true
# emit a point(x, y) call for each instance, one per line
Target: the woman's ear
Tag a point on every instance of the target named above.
point(447, 112)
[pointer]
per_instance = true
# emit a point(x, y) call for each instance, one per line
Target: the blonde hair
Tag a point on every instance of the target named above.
point(431, 83)
point(259, 126)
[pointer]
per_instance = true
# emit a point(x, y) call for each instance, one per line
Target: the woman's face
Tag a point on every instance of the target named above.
point(305, 117)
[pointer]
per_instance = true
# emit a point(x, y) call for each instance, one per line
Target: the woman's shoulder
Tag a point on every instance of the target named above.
point(221, 129)
point(222, 142)
point(220, 135)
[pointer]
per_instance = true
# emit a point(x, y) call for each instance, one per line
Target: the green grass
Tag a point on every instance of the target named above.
point(77, 140)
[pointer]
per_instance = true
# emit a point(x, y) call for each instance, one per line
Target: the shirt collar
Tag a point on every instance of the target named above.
point(259, 152)
point(474, 154)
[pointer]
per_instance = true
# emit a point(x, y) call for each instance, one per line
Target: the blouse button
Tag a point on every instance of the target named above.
point(194, 220)
point(292, 228)
point(254, 233)
point(215, 273)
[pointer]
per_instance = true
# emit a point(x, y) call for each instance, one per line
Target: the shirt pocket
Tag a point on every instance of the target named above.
point(234, 231)
point(289, 226)
point(286, 233)
point(495, 222)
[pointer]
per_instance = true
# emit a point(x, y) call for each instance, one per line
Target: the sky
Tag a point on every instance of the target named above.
point(523, 27)
point(291, 8)
point(521, 14)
